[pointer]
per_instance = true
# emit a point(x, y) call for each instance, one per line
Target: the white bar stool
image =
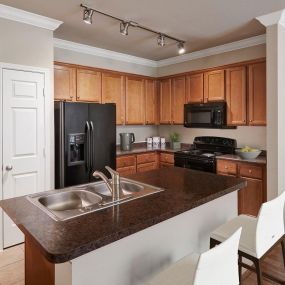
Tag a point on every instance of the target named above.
point(259, 235)
point(218, 266)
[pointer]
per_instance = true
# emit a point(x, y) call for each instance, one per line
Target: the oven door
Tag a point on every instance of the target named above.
point(202, 164)
point(196, 116)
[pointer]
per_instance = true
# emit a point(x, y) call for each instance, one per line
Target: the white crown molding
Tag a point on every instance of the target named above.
point(249, 42)
point(63, 44)
point(81, 48)
point(22, 16)
point(277, 17)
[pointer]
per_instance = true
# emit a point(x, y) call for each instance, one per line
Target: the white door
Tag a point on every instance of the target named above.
point(23, 140)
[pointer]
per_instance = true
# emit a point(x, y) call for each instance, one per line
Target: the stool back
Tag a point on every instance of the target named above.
point(270, 224)
point(219, 265)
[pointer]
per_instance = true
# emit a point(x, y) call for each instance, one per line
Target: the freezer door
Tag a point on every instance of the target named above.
point(76, 144)
point(102, 118)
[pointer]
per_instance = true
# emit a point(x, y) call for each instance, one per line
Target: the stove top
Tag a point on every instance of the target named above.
point(198, 152)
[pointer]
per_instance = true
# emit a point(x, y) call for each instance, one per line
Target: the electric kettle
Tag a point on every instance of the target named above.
point(126, 140)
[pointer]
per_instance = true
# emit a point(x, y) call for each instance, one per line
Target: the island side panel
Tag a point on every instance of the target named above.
point(38, 270)
point(132, 260)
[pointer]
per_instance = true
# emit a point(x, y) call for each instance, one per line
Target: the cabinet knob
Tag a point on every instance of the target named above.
point(244, 121)
point(78, 97)
point(226, 167)
point(250, 171)
point(250, 121)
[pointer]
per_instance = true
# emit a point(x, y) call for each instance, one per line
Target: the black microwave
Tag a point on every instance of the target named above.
point(208, 115)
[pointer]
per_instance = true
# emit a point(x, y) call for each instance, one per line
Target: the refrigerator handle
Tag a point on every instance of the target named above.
point(91, 145)
point(87, 145)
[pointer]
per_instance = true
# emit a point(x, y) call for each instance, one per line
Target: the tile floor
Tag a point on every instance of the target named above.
point(12, 266)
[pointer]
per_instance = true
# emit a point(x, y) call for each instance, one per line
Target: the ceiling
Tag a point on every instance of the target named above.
point(201, 23)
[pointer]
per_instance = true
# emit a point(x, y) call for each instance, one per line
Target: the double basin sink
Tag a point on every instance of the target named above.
point(74, 201)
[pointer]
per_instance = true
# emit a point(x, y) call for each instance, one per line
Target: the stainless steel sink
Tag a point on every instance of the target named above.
point(72, 202)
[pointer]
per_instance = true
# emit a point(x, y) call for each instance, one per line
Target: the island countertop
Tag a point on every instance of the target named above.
point(63, 241)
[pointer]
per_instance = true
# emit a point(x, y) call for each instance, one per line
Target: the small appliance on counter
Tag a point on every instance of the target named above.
point(149, 142)
point(126, 141)
point(162, 142)
point(203, 155)
point(156, 142)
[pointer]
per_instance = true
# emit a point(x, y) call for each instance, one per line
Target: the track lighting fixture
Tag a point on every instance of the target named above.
point(161, 40)
point(181, 48)
point(124, 28)
point(87, 15)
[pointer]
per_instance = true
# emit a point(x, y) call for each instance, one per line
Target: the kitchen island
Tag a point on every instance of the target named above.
point(126, 243)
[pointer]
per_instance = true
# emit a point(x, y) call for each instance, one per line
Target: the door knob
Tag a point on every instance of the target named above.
point(9, 167)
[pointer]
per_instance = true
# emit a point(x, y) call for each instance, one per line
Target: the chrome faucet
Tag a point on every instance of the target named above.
point(113, 186)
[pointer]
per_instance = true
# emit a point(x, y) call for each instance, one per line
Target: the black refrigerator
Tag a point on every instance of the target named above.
point(85, 141)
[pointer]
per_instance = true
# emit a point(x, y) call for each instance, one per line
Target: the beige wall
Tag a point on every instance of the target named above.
point(215, 60)
point(101, 62)
point(251, 136)
point(25, 44)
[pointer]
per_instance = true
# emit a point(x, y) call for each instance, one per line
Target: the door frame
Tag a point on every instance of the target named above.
point(49, 129)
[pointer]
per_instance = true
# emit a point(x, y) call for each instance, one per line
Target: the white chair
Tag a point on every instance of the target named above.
point(218, 266)
point(259, 235)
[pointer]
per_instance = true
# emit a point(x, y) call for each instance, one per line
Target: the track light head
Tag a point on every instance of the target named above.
point(161, 40)
point(87, 15)
point(181, 48)
point(124, 28)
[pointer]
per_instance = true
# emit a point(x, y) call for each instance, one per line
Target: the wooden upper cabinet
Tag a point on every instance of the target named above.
point(88, 85)
point(178, 99)
point(150, 102)
point(257, 94)
point(214, 85)
point(195, 88)
point(135, 91)
point(236, 95)
point(165, 101)
point(64, 83)
point(113, 91)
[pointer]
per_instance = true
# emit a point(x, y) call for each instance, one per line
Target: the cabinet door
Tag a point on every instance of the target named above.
point(195, 88)
point(135, 107)
point(113, 91)
point(251, 197)
point(236, 96)
point(88, 85)
point(64, 83)
point(165, 101)
point(178, 100)
point(150, 102)
point(214, 85)
point(257, 94)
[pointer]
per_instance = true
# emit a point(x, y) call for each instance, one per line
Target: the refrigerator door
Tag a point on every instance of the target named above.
point(102, 118)
point(75, 133)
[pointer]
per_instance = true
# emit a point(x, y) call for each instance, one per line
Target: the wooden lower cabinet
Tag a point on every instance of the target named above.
point(131, 164)
point(253, 195)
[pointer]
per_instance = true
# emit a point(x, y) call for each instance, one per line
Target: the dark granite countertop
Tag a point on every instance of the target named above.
point(138, 150)
point(63, 241)
point(261, 159)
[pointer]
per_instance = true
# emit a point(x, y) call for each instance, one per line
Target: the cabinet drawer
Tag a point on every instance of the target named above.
point(226, 167)
point(251, 171)
point(127, 170)
point(146, 167)
point(167, 157)
point(165, 165)
point(146, 157)
point(124, 161)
